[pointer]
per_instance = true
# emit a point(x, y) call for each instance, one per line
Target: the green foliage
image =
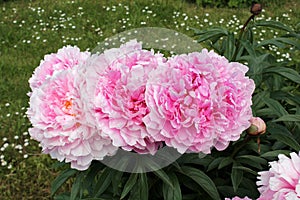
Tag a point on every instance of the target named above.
point(276, 100)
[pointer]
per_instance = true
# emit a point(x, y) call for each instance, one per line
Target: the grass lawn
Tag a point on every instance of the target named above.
point(31, 29)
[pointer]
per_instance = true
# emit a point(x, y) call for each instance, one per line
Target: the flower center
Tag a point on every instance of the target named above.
point(67, 106)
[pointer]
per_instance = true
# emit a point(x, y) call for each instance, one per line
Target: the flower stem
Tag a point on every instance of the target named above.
point(238, 43)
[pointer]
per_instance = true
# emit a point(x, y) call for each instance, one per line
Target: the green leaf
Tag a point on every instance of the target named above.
point(272, 41)
point(288, 118)
point(202, 180)
point(91, 175)
point(144, 186)
point(246, 169)
point(104, 181)
point(215, 163)
point(140, 190)
point(172, 193)
point(61, 179)
point(77, 186)
point(230, 46)
point(250, 48)
point(251, 160)
point(62, 197)
point(163, 176)
point(288, 73)
point(276, 107)
point(225, 162)
point(236, 176)
point(274, 154)
point(110, 198)
point(213, 33)
point(256, 63)
point(291, 99)
point(280, 42)
point(282, 134)
point(274, 24)
point(257, 100)
point(116, 180)
point(129, 184)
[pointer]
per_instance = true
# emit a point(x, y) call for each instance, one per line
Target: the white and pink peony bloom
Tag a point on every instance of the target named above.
point(115, 82)
point(59, 123)
point(65, 58)
point(84, 107)
point(282, 181)
point(198, 101)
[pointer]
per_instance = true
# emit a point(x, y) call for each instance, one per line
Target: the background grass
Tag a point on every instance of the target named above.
point(31, 29)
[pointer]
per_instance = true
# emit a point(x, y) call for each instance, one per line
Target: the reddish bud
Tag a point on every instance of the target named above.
point(256, 8)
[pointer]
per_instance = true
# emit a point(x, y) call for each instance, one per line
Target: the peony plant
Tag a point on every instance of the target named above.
point(88, 109)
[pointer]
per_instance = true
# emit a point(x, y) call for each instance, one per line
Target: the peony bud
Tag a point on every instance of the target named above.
point(256, 8)
point(257, 127)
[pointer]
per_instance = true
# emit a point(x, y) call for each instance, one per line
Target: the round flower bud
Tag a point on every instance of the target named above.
point(256, 8)
point(257, 127)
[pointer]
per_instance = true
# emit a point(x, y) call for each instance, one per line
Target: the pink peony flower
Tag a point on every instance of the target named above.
point(59, 123)
point(238, 198)
point(282, 181)
point(66, 57)
point(198, 101)
point(115, 82)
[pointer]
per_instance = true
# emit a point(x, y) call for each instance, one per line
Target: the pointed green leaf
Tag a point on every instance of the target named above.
point(236, 176)
point(276, 107)
point(144, 186)
point(102, 198)
point(274, 154)
point(292, 99)
point(62, 197)
point(215, 163)
point(288, 118)
point(140, 190)
point(172, 193)
point(230, 46)
point(129, 184)
point(280, 42)
point(61, 179)
point(89, 180)
point(77, 186)
point(104, 181)
point(213, 33)
point(225, 162)
point(116, 180)
point(246, 169)
point(202, 180)
point(163, 176)
point(251, 160)
point(249, 47)
point(283, 135)
point(288, 73)
point(257, 100)
point(274, 24)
